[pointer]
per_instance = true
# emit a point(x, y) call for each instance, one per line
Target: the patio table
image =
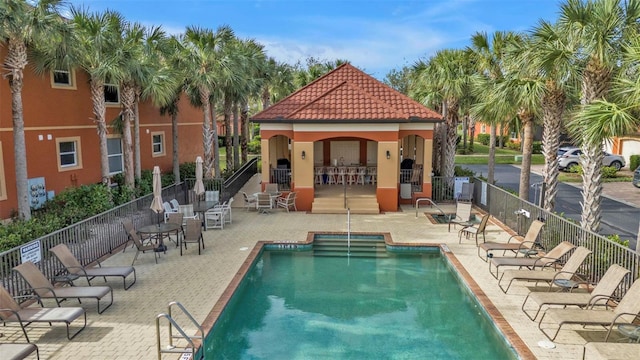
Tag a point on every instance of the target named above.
point(159, 231)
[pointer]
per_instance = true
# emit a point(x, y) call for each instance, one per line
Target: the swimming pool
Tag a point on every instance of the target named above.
point(293, 305)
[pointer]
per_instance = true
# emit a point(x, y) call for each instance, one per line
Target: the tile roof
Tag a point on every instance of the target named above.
point(347, 94)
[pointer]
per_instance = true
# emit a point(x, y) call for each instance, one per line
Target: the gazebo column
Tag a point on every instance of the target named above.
point(266, 165)
point(427, 168)
point(388, 175)
point(302, 176)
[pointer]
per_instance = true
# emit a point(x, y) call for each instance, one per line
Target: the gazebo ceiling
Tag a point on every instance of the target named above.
point(347, 95)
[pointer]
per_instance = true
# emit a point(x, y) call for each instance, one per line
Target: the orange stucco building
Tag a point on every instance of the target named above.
point(348, 115)
point(61, 138)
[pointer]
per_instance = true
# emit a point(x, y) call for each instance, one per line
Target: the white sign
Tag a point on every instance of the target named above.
point(457, 186)
point(31, 252)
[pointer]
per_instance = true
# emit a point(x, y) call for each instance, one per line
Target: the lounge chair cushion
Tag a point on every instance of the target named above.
point(611, 351)
point(38, 314)
point(16, 351)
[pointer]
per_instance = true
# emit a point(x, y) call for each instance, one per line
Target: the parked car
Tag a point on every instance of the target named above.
point(636, 177)
point(570, 156)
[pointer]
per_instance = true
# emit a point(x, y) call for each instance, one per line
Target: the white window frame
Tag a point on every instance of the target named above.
point(121, 154)
point(77, 152)
point(71, 85)
point(3, 185)
point(162, 143)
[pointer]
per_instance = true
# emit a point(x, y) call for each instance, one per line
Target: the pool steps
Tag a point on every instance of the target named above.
point(337, 247)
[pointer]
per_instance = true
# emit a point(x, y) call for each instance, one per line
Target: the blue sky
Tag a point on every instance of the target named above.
point(374, 35)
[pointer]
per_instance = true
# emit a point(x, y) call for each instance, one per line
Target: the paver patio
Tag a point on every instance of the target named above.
point(127, 329)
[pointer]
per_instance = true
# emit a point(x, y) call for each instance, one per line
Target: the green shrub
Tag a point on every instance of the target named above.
point(187, 170)
point(254, 147)
point(483, 139)
point(607, 171)
point(459, 171)
point(537, 147)
point(634, 162)
point(513, 146)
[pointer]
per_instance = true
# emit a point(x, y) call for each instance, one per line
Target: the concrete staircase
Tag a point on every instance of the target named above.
point(362, 204)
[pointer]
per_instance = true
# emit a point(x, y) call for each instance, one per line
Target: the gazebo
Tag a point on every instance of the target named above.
point(347, 121)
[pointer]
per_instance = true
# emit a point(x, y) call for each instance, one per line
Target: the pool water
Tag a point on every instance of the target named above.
point(292, 305)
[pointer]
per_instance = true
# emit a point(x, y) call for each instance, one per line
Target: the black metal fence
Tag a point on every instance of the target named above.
point(89, 239)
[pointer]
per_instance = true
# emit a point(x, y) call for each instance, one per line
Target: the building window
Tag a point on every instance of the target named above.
point(157, 143)
point(114, 151)
point(3, 185)
point(483, 128)
point(111, 93)
point(63, 79)
point(69, 153)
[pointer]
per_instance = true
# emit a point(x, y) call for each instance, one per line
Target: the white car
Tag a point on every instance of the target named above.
point(570, 156)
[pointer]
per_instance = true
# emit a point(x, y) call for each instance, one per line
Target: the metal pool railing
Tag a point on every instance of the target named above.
point(89, 239)
point(518, 214)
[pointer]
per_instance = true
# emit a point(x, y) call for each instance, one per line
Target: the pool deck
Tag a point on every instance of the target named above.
point(127, 329)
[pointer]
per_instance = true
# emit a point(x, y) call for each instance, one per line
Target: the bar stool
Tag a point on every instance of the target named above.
point(373, 173)
point(331, 175)
point(319, 172)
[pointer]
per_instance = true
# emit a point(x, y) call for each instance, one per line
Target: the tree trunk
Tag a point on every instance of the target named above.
point(491, 166)
point(128, 97)
point(99, 108)
point(15, 62)
point(136, 136)
point(174, 136)
point(266, 98)
point(591, 161)
point(216, 143)
point(501, 136)
point(527, 149)
point(552, 110)
point(450, 140)
point(465, 124)
point(236, 142)
point(472, 133)
point(244, 126)
point(228, 105)
point(207, 133)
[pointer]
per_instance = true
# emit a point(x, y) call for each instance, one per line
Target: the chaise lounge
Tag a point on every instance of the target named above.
point(624, 313)
point(12, 312)
point(567, 272)
point(602, 292)
point(521, 243)
point(73, 266)
point(550, 258)
point(43, 289)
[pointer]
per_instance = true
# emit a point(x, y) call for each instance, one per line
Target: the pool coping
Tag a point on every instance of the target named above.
point(519, 346)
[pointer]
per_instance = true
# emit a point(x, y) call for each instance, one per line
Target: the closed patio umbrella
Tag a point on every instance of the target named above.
point(156, 203)
point(198, 189)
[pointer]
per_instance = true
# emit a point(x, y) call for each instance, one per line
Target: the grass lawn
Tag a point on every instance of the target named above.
point(503, 156)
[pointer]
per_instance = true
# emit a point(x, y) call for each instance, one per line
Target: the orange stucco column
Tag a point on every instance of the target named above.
point(302, 171)
point(388, 175)
point(427, 168)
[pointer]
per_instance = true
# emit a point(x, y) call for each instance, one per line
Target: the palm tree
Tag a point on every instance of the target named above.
point(597, 30)
point(145, 74)
point(95, 35)
point(487, 55)
point(24, 25)
point(549, 62)
point(204, 62)
point(449, 74)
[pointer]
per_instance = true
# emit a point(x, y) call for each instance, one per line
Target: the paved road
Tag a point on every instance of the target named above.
point(618, 216)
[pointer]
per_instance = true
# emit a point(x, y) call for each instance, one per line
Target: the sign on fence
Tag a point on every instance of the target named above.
point(31, 252)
